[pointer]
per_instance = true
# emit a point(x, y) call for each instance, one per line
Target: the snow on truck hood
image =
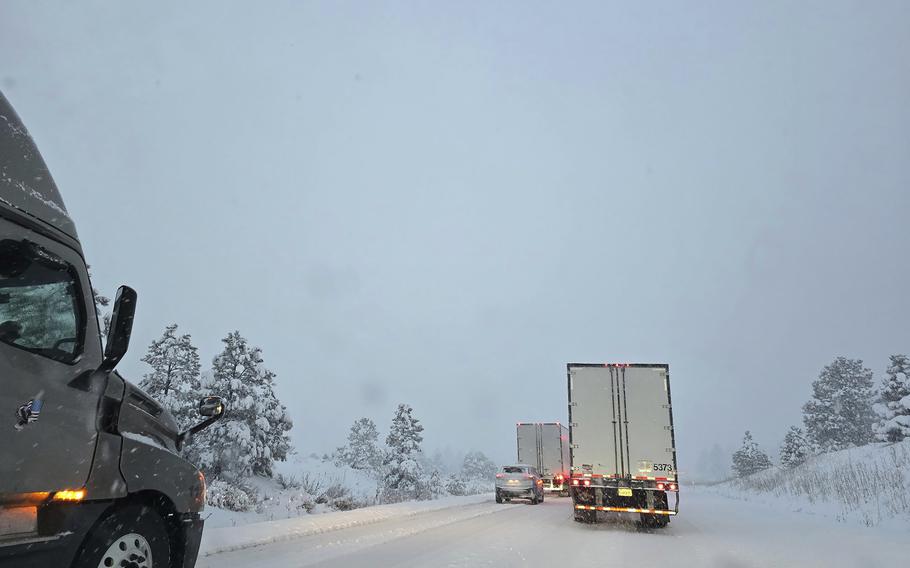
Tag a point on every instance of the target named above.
point(25, 182)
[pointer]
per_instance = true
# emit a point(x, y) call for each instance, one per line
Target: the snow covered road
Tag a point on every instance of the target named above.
point(711, 531)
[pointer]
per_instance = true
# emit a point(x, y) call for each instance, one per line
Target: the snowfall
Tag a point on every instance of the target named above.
point(732, 524)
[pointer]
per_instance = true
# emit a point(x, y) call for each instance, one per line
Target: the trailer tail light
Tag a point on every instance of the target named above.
point(661, 486)
point(586, 482)
point(70, 495)
point(673, 487)
point(575, 482)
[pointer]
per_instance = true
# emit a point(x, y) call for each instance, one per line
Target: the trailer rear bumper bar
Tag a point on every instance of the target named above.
point(624, 510)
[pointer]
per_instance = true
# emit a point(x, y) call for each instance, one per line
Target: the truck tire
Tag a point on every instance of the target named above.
point(587, 517)
point(657, 521)
point(134, 536)
point(653, 521)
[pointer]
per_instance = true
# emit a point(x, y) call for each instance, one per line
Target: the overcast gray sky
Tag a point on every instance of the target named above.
point(443, 203)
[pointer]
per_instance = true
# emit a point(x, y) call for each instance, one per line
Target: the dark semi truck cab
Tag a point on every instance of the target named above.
point(90, 467)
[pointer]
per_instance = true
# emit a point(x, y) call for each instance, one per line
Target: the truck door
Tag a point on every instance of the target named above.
point(648, 426)
point(48, 338)
point(550, 449)
point(527, 444)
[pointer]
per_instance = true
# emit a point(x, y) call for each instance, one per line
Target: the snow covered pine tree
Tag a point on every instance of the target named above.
point(362, 450)
point(174, 380)
point(749, 458)
point(893, 407)
point(840, 413)
point(254, 431)
point(101, 301)
point(403, 473)
point(478, 466)
point(795, 449)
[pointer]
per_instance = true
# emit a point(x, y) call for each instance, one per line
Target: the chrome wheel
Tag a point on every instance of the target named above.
point(128, 551)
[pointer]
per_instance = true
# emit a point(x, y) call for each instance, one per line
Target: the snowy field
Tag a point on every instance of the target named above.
point(868, 485)
point(315, 478)
point(712, 530)
point(319, 487)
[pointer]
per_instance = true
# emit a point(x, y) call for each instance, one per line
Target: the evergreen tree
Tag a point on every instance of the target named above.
point(713, 464)
point(749, 458)
point(101, 301)
point(403, 471)
point(436, 487)
point(478, 466)
point(362, 450)
point(840, 413)
point(893, 407)
point(174, 379)
point(254, 431)
point(795, 449)
point(274, 427)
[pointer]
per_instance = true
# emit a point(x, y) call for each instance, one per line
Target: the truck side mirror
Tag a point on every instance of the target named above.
point(211, 406)
point(118, 336)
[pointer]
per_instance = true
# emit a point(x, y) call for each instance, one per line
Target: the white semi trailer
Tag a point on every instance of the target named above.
point(545, 445)
point(623, 448)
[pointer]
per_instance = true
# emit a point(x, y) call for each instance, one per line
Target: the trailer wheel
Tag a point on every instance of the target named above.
point(657, 521)
point(133, 536)
point(653, 521)
point(587, 517)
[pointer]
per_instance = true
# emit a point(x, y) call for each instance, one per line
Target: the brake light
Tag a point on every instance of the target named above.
point(500, 475)
point(673, 487)
point(660, 486)
point(587, 482)
point(575, 481)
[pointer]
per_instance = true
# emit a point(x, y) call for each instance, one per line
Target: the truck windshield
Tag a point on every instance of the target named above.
point(38, 308)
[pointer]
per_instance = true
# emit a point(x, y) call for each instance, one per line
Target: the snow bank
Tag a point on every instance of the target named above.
point(226, 539)
point(306, 485)
point(869, 485)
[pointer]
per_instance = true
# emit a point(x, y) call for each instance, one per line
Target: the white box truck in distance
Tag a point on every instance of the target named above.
point(545, 445)
point(622, 442)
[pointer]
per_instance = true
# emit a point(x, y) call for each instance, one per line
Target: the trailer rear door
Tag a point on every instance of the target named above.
point(593, 434)
point(649, 426)
point(551, 446)
point(527, 444)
